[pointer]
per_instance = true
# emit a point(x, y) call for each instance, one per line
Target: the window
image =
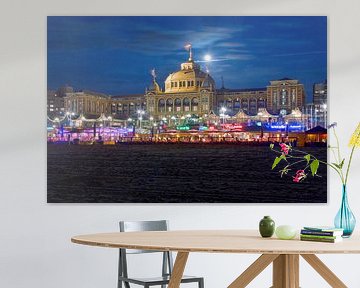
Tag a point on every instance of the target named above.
point(189, 83)
point(274, 97)
point(178, 109)
point(180, 84)
point(283, 97)
point(293, 97)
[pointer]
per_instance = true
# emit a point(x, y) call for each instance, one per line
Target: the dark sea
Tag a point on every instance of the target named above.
point(176, 173)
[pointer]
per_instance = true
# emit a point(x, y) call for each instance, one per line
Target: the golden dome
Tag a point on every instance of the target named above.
point(189, 79)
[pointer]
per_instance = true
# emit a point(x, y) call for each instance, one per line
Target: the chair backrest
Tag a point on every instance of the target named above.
point(138, 226)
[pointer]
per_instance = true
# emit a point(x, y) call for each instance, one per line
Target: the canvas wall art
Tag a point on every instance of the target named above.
point(184, 109)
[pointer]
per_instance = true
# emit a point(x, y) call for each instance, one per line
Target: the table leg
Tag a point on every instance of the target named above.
point(178, 269)
point(286, 271)
point(253, 270)
point(324, 271)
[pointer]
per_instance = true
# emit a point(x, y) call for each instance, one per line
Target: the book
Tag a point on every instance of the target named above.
point(319, 236)
point(325, 240)
point(323, 228)
point(321, 233)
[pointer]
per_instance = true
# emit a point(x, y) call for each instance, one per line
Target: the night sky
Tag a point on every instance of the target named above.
point(114, 55)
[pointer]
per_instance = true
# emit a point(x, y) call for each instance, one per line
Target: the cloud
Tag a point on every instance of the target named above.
point(142, 36)
point(230, 44)
point(300, 53)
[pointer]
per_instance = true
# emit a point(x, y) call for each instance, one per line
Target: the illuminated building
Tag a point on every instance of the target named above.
point(187, 91)
point(123, 107)
point(191, 91)
point(284, 95)
point(320, 93)
point(55, 101)
point(87, 103)
point(246, 100)
point(317, 111)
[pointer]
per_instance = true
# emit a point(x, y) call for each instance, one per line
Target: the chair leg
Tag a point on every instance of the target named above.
point(201, 283)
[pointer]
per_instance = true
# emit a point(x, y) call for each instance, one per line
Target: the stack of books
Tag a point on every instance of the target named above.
point(321, 234)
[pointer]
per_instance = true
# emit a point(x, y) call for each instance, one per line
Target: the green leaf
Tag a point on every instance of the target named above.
point(284, 171)
point(314, 166)
point(336, 165)
point(277, 161)
point(342, 163)
point(271, 146)
point(307, 157)
point(339, 166)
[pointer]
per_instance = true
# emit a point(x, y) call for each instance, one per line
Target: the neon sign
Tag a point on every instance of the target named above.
point(183, 128)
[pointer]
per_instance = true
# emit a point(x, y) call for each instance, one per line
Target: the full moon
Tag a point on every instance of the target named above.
point(207, 57)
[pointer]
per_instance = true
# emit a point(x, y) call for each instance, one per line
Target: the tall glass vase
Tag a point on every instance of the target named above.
point(345, 219)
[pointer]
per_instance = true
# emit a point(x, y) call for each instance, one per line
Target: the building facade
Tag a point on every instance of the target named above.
point(55, 101)
point(246, 100)
point(89, 104)
point(124, 107)
point(189, 91)
point(285, 95)
point(320, 93)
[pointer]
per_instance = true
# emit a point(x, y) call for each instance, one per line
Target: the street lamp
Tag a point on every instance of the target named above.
point(68, 114)
point(324, 106)
point(140, 113)
point(129, 120)
point(223, 110)
point(173, 118)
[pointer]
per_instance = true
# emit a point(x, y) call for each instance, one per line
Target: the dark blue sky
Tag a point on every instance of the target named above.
point(114, 55)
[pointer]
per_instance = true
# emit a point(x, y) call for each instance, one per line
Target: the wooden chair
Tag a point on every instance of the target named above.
point(167, 262)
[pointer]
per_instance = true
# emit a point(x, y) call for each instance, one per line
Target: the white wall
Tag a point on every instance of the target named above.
point(35, 248)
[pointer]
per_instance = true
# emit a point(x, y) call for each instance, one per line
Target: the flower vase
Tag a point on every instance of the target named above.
point(345, 219)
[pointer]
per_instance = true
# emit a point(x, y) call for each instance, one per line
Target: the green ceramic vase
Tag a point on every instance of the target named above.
point(267, 227)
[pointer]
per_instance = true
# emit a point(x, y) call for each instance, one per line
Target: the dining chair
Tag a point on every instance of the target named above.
point(167, 260)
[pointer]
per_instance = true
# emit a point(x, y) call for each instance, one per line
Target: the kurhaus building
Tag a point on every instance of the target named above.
point(190, 91)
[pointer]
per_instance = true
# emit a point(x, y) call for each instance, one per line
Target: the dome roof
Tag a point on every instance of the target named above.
point(189, 79)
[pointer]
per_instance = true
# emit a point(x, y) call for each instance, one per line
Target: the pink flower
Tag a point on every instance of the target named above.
point(284, 148)
point(299, 176)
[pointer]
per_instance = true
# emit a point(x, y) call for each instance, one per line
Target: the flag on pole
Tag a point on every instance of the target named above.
point(153, 73)
point(187, 47)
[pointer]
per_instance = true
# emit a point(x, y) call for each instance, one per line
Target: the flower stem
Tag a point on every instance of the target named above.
point(350, 159)
point(337, 144)
point(348, 166)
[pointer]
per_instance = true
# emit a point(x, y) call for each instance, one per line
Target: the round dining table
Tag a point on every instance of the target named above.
point(283, 254)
